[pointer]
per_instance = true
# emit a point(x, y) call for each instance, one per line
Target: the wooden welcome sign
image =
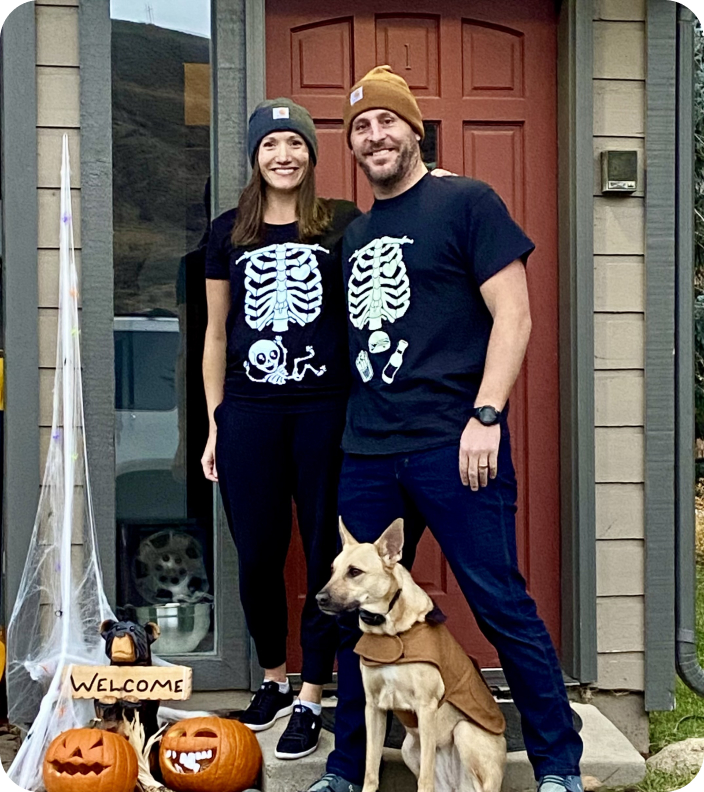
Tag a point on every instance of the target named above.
point(140, 683)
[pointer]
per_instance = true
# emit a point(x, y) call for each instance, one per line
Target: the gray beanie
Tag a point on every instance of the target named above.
point(277, 115)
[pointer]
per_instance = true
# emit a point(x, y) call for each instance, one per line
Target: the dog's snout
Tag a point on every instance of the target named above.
point(322, 598)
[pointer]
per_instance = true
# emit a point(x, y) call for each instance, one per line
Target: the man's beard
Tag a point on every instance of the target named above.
point(405, 162)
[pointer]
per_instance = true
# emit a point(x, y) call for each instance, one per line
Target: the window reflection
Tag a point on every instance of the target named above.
point(161, 199)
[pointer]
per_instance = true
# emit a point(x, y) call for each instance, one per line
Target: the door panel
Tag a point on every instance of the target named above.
point(410, 45)
point(484, 76)
point(321, 57)
point(492, 60)
point(494, 154)
point(332, 149)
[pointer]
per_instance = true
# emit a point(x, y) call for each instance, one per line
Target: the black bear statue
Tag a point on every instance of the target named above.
point(128, 644)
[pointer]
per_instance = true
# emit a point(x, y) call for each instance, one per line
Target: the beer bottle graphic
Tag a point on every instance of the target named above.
point(395, 362)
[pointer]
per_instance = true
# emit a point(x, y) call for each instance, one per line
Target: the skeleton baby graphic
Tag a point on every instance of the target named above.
point(378, 286)
point(283, 286)
point(269, 358)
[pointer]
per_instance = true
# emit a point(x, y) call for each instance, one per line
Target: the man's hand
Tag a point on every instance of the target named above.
point(440, 172)
point(479, 453)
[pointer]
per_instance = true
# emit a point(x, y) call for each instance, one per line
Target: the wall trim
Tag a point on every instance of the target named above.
point(576, 289)
point(660, 150)
point(237, 69)
point(255, 33)
point(686, 586)
point(97, 345)
point(238, 59)
point(18, 117)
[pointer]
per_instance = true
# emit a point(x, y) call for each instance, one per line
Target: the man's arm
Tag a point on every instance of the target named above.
point(506, 297)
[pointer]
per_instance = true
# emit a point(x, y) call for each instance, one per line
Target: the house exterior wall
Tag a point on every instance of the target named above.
point(619, 122)
point(619, 333)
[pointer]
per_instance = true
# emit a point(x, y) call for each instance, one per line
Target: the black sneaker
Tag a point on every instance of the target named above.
point(267, 705)
point(301, 736)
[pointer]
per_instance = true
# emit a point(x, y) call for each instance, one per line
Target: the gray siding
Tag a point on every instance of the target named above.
point(19, 260)
point(659, 359)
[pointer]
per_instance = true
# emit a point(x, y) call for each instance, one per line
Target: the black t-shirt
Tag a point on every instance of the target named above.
point(418, 325)
point(286, 332)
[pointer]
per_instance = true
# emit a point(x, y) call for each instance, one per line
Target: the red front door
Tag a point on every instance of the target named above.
point(484, 75)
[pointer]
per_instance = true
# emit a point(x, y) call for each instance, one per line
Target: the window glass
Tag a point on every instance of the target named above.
point(429, 144)
point(161, 199)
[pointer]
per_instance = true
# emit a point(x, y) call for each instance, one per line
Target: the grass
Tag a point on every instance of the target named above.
point(687, 719)
point(656, 781)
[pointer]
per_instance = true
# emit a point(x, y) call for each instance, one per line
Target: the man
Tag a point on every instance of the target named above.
point(439, 321)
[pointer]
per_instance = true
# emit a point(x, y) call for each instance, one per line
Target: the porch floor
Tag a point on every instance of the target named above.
point(608, 755)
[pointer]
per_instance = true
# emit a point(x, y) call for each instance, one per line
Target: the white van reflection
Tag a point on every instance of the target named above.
point(148, 484)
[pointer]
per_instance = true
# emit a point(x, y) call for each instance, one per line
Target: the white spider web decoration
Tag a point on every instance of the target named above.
point(61, 600)
point(283, 285)
point(378, 287)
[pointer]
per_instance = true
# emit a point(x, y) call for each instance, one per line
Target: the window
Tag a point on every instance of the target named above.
point(161, 199)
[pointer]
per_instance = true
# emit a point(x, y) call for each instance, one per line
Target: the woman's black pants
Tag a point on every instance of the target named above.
point(265, 458)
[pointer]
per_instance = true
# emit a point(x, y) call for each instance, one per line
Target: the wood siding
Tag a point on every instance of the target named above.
point(619, 344)
point(58, 112)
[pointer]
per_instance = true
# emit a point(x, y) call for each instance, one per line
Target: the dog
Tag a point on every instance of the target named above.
point(402, 648)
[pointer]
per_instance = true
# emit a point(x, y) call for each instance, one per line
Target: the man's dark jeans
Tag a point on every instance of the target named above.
point(476, 531)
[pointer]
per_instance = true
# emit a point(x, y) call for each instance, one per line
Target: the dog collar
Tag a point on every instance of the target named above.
point(375, 619)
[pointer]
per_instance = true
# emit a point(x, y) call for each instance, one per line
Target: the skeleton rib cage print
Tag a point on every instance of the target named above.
point(283, 285)
point(379, 288)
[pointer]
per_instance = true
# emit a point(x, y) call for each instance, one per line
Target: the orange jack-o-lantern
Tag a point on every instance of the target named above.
point(90, 760)
point(209, 755)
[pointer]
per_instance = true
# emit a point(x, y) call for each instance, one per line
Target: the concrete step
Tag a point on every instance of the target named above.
point(608, 756)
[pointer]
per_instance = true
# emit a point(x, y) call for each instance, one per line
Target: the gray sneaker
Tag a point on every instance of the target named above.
point(556, 783)
point(334, 783)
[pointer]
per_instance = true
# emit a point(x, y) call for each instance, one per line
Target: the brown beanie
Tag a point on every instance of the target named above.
point(380, 88)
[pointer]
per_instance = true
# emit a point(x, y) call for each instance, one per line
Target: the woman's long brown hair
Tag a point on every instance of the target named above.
point(314, 214)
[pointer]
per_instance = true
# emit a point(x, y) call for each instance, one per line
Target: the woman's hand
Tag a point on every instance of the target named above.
point(440, 172)
point(208, 459)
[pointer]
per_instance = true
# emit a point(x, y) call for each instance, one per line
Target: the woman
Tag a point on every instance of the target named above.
point(275, 368)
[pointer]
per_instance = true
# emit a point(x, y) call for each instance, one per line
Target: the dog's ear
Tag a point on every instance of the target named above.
point(346, 536)
point(390, 544)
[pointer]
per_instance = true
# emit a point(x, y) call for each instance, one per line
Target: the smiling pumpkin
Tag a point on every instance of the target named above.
point(90, 760)
point(209, 755)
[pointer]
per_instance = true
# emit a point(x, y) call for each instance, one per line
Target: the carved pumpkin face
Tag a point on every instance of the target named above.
point(209, 755)
point(90, 760)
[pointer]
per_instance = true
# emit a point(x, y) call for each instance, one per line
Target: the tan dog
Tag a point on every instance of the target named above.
point(445, 749)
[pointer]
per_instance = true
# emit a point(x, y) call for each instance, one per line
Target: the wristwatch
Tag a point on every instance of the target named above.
point(487, 415)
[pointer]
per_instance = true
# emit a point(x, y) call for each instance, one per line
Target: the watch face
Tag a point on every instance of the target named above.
point(487, 415)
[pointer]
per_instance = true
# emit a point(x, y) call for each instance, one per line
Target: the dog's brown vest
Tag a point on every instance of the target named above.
point(424, 643)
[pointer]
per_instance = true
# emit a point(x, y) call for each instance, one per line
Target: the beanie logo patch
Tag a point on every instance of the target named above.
point(357, 95)
point(280, 112)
